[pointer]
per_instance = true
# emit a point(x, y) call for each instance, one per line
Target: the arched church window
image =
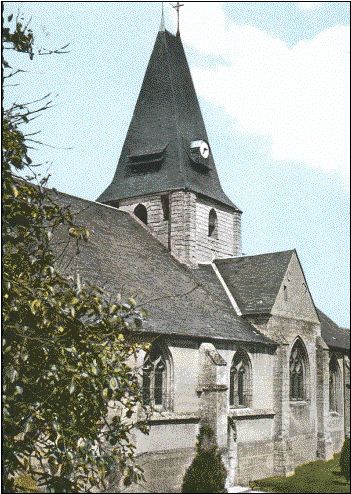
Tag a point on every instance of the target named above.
point(298, 372)
point(156, 379)
point(141, 212)
point(240, 386)
point(334, 385)
point(213, 224)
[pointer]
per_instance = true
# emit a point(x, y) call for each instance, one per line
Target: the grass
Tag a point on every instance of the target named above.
point(318, 476)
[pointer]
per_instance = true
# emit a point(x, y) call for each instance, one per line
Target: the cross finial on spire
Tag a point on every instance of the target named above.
point(177, 8)
point(162, 25)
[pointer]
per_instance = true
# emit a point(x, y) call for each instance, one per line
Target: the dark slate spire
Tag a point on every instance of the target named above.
point(167, 118)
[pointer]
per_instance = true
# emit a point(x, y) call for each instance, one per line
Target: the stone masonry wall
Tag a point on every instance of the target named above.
point(255, 460)
point(228, 243)
point(164, 470)
point(346, 364)
point(186, 231)
point(154, 213)
point(324, 442)
point(183, 220)
point(178, 233)
point(295, 433)
point(335, 422)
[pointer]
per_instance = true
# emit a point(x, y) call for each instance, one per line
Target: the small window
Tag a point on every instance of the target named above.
point(298, 372)
point(213, 224)
point(165, 207)
point(156, 379)
point(240, 385)
point(141, 212)
point(285, 289)
point(334, 385)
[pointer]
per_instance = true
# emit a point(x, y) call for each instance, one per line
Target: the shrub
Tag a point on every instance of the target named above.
point(207, 472)
point(345, 459)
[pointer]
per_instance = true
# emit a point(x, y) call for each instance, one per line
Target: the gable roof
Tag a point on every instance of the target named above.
point(254, 281)
point(332, 334)
point(122, 255)
point(167, 117)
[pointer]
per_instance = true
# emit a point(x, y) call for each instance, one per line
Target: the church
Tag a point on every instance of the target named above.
point(237, 341)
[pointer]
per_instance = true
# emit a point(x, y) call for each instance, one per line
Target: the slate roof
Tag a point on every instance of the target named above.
point(122, 255)
point(156, 153)
point(254, 281)
point(332, 334)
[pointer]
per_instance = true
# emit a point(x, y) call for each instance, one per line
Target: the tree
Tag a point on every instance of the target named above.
point(67, 350)
point(345, 459)
point(207, 472)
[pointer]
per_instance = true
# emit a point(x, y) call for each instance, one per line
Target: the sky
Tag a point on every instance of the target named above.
point(272, 80)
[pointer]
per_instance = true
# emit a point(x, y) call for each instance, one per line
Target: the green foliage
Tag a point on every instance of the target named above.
point(70, 391)
point(345, 459)
point(207, 472)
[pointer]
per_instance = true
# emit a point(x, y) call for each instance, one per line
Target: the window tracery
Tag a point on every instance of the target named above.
point(334, 385)
point(156, 379)
point(240, 386)
point(298, 372)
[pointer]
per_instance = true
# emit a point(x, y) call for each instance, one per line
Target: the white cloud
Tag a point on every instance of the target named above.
point(299, 96)
point(309, 6)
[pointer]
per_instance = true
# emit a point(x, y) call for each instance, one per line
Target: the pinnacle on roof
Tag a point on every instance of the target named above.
point(157, 155)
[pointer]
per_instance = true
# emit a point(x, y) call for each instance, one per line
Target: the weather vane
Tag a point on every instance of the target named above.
point(162, 27)
point(177, 8)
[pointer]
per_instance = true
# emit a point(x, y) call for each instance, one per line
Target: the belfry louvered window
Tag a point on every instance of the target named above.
point(240, 386)
point(334, 385)
point(155, 390)
point(298, 372)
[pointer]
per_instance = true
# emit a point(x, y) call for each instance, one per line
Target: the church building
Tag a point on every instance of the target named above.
point(237, 341)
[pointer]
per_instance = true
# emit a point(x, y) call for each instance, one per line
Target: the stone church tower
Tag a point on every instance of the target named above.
point(166, 175)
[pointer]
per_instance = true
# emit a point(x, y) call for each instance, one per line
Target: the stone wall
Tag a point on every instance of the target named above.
point(272, 437)
point(164, 470)
point(228, 243)
point(156, 223)
point(346, 365)
point(255, 461)
point(295, 432)
point(185, 233)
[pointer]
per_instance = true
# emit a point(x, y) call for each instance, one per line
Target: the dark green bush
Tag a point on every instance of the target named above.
point(207, 472)
point(345, 459)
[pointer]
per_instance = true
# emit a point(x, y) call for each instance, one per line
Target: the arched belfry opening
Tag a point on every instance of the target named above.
point(213, 224)
point(141, 212)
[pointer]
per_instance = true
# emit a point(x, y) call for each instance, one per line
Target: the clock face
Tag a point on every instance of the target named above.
point(204, 149)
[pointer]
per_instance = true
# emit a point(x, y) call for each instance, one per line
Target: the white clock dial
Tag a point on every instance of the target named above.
point(204, 149)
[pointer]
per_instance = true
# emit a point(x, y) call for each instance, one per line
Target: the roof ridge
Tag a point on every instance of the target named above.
point(256, 255)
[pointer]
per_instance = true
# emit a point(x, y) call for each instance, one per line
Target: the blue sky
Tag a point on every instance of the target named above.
point(272, 80)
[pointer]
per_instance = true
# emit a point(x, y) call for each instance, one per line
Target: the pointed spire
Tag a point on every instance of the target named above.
point(162, 25)
point(166, 122)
